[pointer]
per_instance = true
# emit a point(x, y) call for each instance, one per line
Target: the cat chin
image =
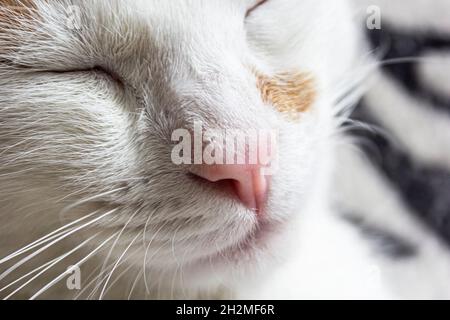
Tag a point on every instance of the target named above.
point(243, 264)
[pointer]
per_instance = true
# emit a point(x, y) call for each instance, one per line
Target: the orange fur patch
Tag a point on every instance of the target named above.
point(289, 93)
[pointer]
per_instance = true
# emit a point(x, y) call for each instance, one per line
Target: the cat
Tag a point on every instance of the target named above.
point(92, 205)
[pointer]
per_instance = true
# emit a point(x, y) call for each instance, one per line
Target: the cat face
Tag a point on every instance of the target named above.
point(92, 91)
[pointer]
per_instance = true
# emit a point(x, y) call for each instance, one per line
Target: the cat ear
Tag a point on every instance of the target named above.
point(291, 93)
point(14, 15)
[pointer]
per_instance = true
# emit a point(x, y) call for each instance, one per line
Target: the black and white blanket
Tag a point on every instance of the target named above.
point(398, 191)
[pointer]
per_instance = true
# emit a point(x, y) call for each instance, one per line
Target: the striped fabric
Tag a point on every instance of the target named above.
point(398, 188)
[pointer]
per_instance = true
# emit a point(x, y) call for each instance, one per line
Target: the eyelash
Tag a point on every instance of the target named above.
point(256, 6)
point(116, 78)
point(98, 70)
point(110, 74)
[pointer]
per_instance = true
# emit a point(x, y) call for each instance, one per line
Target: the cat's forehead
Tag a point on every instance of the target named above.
point(114, 26)
point(185, 13)
point(181, 27)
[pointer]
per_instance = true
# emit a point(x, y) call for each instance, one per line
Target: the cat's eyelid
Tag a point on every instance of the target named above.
point(254, 7)
point(96, 69)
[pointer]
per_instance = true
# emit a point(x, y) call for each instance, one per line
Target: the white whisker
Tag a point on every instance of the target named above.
point(91, 278)
point(115, 280)
point(78, 264)
point(96, 278)
point(117, 240)
point(139, 275)
point(87, 200)
point(44, 239)
point(27, 275)
point(29, 257)
point(60, 258)
point(117, 263)
point(144, 265)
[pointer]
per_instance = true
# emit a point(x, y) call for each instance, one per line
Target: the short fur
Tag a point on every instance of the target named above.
point(86, 116)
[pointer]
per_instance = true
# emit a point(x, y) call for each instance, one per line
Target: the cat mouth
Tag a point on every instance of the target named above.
point(245, 248)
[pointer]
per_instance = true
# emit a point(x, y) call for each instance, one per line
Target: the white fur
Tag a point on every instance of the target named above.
point(73, 143)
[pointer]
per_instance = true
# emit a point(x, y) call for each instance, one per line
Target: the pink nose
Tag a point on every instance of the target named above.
point(250, 185)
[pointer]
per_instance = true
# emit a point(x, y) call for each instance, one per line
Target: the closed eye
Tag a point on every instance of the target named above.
point(97, 70)
point(258, 4)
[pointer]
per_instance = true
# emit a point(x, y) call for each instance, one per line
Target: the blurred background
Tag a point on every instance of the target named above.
point(397, 190)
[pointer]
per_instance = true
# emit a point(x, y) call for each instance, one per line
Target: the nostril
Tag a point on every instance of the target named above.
point(249, 184)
